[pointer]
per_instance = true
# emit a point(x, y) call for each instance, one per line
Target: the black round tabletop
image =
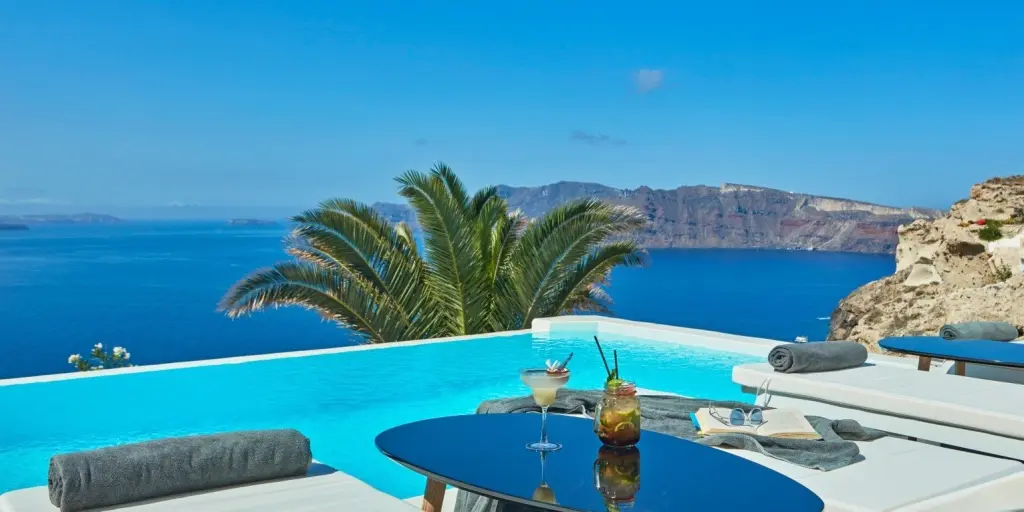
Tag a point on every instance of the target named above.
point(486, 454)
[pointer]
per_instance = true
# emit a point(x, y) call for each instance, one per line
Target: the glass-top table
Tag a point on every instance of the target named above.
point(486, 454)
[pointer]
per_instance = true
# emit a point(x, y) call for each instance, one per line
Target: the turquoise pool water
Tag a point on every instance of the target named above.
point(340, 401)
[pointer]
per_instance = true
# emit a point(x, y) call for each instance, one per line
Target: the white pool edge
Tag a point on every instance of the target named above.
point(710, 340)
point(247, 359)
point(658, 332)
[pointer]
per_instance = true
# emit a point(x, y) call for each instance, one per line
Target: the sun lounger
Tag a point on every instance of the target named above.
point(980, 415)
point(322, 489)
point(901, 475)
point(994, 353)
point(906, 476)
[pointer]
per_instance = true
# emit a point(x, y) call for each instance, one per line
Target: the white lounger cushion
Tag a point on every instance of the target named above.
point(323, 490)
point(975, 404)
point(896, 474)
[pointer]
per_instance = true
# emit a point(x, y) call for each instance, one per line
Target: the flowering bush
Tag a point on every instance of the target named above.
point(100, 360)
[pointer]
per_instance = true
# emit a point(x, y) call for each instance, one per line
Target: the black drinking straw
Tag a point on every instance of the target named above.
point(615, 354)
point(565, 363)
point(605, 361)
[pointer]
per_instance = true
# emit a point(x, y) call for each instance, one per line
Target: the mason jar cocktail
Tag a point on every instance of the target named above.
point(617, 419)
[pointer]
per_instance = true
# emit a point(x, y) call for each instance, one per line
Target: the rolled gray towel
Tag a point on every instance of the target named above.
point(996, 331)
point(135, 472)
point(817, 357)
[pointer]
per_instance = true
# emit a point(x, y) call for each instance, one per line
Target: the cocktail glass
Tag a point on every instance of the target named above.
point(544, 385)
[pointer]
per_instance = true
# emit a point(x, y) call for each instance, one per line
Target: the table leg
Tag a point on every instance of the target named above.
point(433, 496)
point(960, 368)
point(924, 363)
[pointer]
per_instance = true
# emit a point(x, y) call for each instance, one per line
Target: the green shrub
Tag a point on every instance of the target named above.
point(100, 359)
point(990, 233)
point(1003, 272)
point(992, 230)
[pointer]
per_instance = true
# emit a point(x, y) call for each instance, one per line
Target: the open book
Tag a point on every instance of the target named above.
point(783, 423)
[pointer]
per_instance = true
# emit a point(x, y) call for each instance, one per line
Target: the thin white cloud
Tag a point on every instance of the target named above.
point(648, 80)
point(182, 204)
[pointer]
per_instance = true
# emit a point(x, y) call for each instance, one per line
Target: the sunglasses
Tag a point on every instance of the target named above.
point(754, 417)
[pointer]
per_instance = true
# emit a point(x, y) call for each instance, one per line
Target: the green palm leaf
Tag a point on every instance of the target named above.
point(345, 300)
point(556, 243)
point(452, 248)
point(581, 289)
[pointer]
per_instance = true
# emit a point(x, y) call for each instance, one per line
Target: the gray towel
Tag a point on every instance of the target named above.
point(996, 331)
point(817, 357)
point(671, 415)
point(135, 472)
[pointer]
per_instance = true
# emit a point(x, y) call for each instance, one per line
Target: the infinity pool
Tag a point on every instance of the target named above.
point(341, 401)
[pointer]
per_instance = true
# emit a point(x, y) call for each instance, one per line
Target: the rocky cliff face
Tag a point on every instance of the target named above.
point(946, 271)
point(730, 216)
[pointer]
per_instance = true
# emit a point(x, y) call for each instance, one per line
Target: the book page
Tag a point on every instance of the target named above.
point(788, 423)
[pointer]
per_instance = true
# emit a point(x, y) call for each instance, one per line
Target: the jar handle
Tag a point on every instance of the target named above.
point(597, 416)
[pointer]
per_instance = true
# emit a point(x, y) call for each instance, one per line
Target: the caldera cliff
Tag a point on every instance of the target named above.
point(964, 266)
point(730, 216)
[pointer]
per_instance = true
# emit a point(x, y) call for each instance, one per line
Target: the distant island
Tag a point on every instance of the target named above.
point(12, 227)
point(728, 216)
point(76, 218)
point(251, 222)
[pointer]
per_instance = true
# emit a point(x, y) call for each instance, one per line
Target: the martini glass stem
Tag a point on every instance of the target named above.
point(544, 425)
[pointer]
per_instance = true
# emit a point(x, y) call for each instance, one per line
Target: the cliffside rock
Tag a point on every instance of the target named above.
point(945, 272)
point(729, 216)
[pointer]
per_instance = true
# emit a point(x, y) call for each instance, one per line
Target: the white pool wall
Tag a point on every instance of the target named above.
point(712, 340)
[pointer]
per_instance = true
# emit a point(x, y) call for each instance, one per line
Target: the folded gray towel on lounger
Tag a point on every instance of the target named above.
point(135, 472)
point(996, 331)
point(817, 357)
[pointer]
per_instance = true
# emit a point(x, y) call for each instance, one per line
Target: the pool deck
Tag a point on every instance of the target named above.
point(712, 340)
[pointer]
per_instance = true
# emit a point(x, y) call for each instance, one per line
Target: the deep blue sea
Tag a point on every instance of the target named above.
point(153, 287)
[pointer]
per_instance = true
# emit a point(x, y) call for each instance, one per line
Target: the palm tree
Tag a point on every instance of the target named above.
point(482, 269)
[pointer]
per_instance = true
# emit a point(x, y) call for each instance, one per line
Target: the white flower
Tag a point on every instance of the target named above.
point(74, 359)
point(119, 352)
point(98, 346)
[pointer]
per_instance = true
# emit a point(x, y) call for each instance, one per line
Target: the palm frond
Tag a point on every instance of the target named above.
point(452, 183)
point(452, 248)
point(504, 274)
point(581, 289)
point(404, 231)
point(557, 242)
point(482, 198)
point(359, 242)
point(346, 300)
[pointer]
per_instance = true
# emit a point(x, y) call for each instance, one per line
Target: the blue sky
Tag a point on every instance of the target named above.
point(280, 104)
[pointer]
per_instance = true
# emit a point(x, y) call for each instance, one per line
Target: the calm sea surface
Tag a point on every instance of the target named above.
point(154, 287)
